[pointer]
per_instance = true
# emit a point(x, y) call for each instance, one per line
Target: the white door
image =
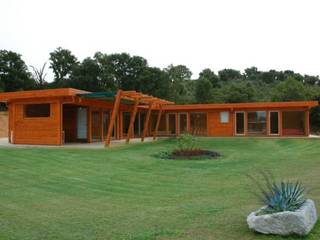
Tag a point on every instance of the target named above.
point(82, 123)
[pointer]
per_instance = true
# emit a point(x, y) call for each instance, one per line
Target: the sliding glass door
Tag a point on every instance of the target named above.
point(239, 123)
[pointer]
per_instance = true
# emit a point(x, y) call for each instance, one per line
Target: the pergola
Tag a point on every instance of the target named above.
point(139, 100)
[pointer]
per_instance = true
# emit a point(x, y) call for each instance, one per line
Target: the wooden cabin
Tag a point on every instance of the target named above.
point(59, 116)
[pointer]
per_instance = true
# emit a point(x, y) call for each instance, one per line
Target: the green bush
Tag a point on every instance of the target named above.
point(186, 142)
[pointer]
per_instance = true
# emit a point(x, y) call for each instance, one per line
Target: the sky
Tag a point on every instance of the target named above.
point(216, 34)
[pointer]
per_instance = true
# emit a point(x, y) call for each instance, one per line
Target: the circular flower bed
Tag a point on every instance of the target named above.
point(197, 153)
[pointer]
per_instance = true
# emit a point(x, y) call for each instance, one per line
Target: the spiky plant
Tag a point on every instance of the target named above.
point(279, 197)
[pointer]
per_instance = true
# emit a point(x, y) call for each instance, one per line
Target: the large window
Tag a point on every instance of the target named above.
point(37, 110)
point(293, 123)
point(198, 124)
point(257, 122)
point(183, 123)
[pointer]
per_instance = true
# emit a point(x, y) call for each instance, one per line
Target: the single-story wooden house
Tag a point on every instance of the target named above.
point(59, 116)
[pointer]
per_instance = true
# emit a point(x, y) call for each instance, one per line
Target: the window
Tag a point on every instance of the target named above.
point(257, 122)
point(224, 117)
point(198, 124)
point(37, 110)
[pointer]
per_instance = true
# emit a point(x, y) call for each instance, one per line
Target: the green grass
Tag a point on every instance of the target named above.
point(127, 193)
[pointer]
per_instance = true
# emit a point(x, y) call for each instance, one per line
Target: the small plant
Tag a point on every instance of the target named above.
point(280, 197)
point(186, 142)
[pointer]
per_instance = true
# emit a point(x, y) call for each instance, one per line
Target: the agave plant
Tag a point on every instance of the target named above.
point(283, 196)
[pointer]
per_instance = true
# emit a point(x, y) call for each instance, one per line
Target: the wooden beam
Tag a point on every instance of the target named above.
point(155, 133)
point(132, 118)
point(114, 114)
point(146, 123)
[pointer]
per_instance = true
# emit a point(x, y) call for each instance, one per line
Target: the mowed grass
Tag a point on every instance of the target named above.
point(128, 193)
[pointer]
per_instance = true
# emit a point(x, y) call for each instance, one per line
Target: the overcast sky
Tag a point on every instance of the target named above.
point(268, 34)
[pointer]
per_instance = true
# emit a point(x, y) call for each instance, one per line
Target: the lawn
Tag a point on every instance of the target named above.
point(128, 193)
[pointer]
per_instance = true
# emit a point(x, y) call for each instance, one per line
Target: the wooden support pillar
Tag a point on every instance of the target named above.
point(146, 123)
point(114, 114)
point(155, 133)
point(132, 118)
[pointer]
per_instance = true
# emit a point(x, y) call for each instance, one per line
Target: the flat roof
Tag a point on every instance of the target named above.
point(58, 92)
point(242, 105)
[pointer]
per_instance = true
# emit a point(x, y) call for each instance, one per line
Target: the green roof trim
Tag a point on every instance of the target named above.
point(105, 96)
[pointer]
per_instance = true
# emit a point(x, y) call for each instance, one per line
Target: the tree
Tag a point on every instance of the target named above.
point(178, 76)
point(62, 62)
point(125, 70)
point(237, 92)
point(209, 75)
point(86, 76)
point(14, 74)
point(155, 82)
point(289, 90)
point(39, 75)
point(252, 74)
point(229, 75)
point(203, 91)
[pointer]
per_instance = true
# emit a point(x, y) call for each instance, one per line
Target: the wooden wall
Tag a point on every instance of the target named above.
point(216, 128)
point(45, 130)
point(3, 124)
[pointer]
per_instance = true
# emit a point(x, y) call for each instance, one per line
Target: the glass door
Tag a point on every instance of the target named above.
point(172, 124)
point(183, 125)
point(274, 123)
point(239, 123)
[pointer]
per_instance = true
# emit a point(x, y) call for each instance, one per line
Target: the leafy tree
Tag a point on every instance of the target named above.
point(229, 75)
point(311, 80)
point(209, 75)
point(62, 62)
point(178, 76)
point(203, 91)
point(252, 74)
point(125, 70)
point(14, 74)
point(289, 90)
point(85, 76)
point(155, 82)
point(237, 92)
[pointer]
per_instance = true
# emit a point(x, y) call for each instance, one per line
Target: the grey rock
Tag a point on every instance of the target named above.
point(285, 223)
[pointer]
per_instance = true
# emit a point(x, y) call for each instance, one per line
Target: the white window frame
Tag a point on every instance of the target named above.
point(228, 117)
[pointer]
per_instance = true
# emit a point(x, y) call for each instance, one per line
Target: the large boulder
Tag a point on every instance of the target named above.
point(285, 223)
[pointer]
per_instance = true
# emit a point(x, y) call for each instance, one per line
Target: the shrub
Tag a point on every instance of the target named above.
point(279, 197)
point(186, 142)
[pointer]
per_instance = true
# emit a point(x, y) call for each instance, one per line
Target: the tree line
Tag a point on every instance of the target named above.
point(109, 72)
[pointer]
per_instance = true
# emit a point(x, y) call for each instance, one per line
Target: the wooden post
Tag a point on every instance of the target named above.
point(155, 133)
point(114, 114)
point(146, 123)
point(307, 119)
point(132, 118)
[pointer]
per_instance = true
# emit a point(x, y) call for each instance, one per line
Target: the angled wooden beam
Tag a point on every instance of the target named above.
point(146, 123)
point(132, 118)
point(114, 114)
point(155, 133)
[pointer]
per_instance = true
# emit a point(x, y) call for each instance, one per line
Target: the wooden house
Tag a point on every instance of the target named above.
point(59, 116)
